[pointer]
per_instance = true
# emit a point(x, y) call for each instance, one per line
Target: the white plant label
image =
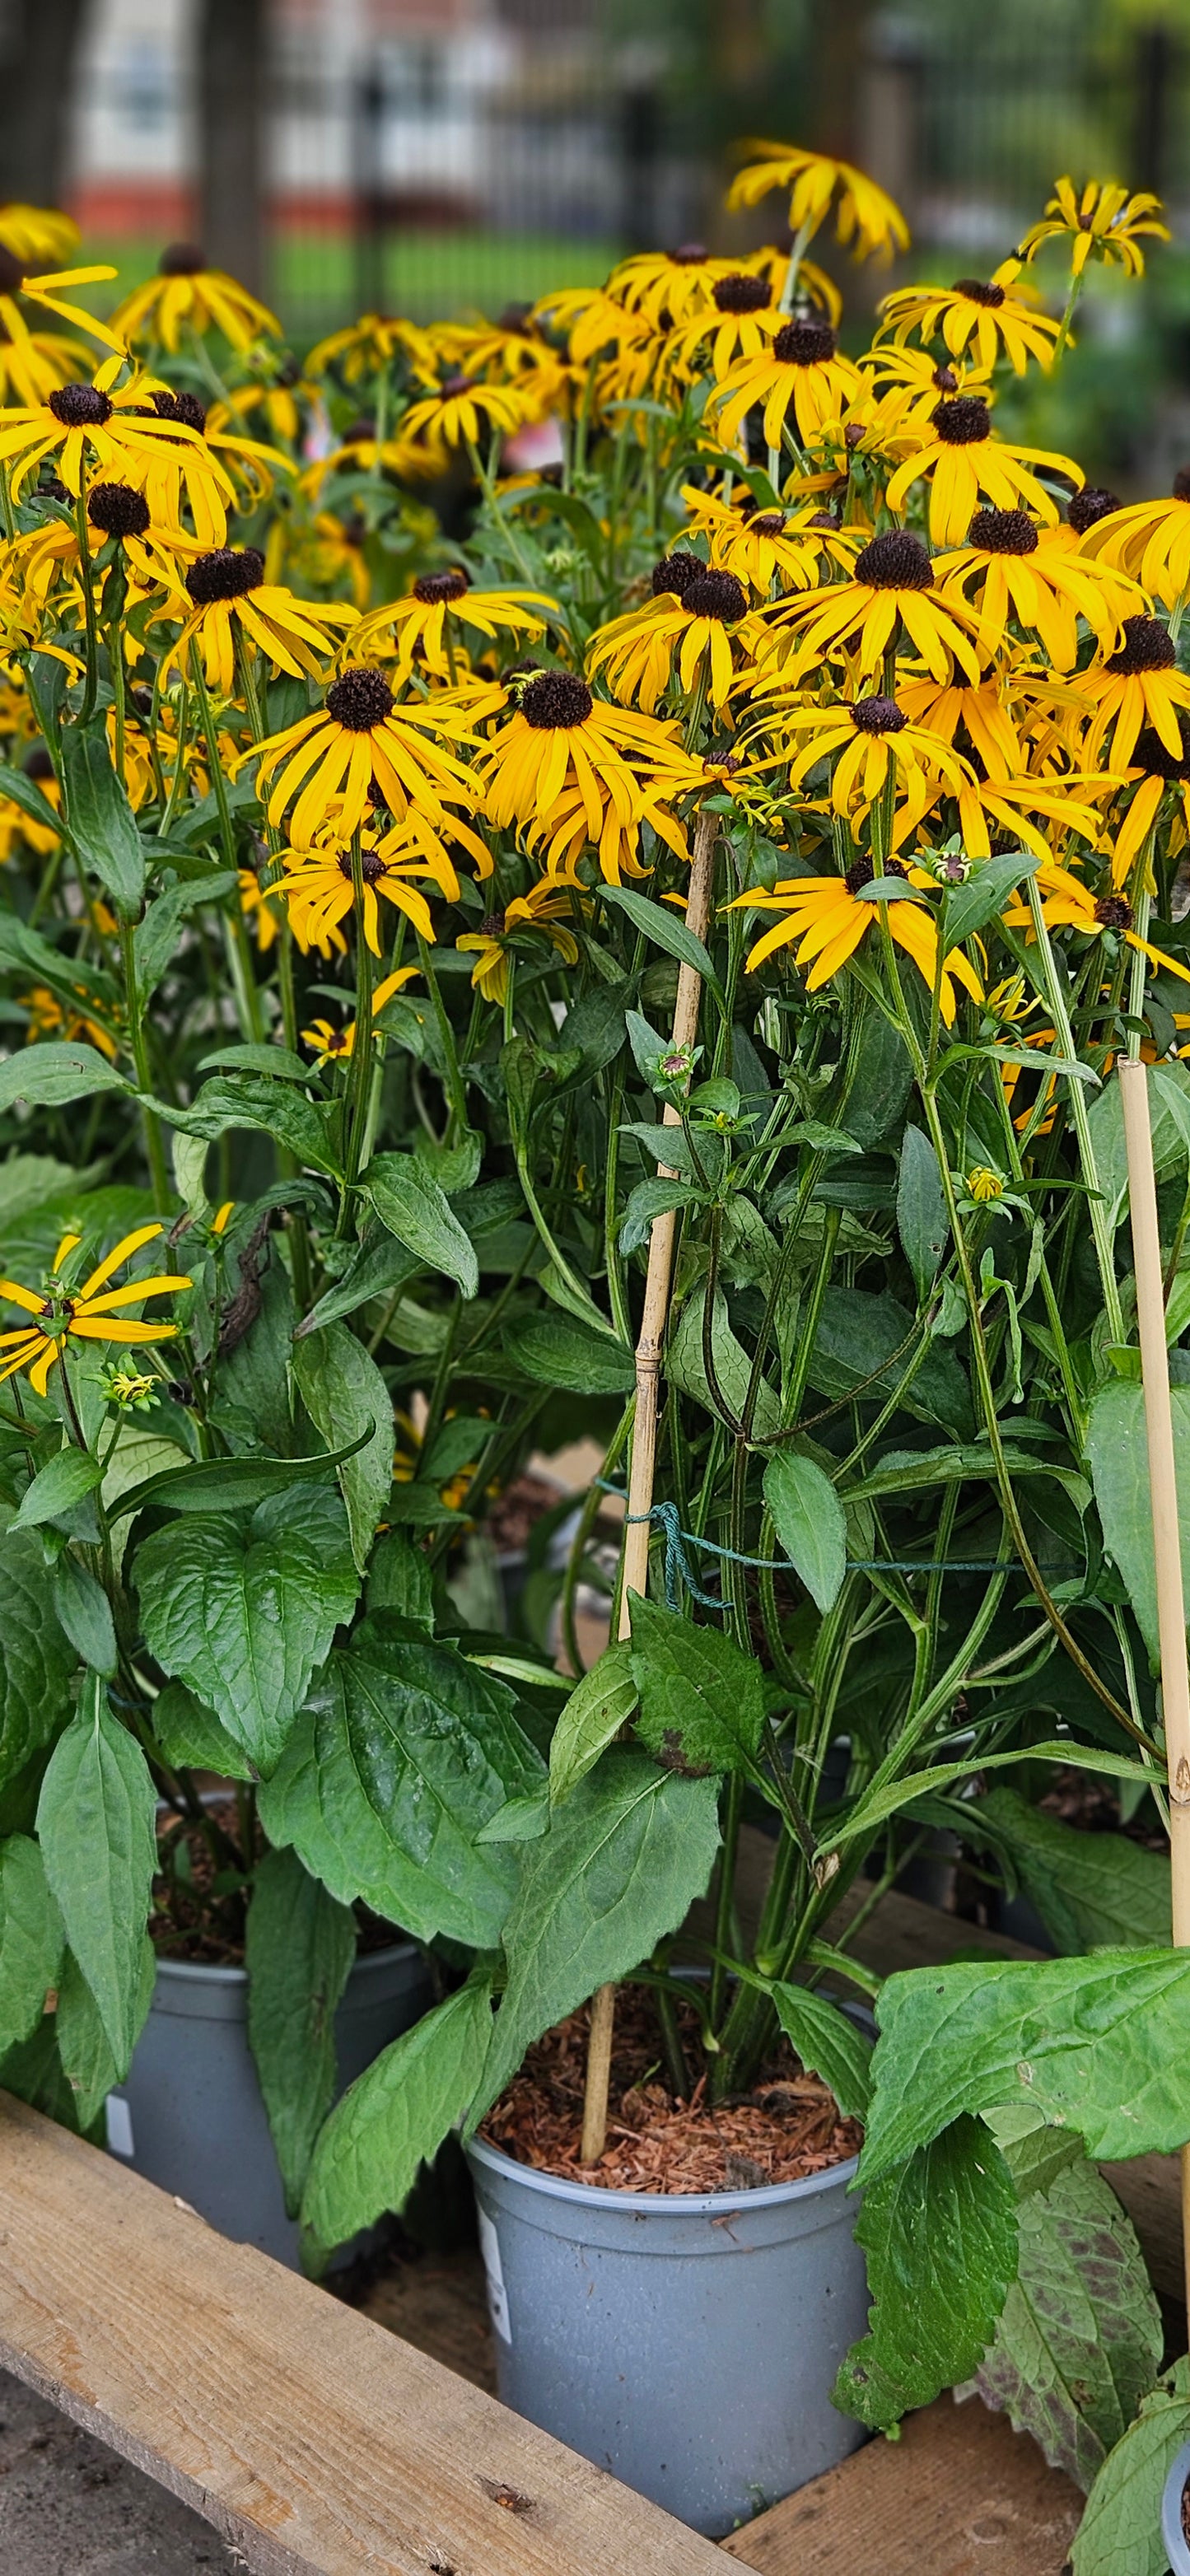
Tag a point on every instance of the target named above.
point(489, 2246)
point(119, 2126)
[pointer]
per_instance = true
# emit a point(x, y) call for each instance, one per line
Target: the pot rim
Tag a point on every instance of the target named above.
point(671, 2204)
point(1172, 2534)
point(200, 1972)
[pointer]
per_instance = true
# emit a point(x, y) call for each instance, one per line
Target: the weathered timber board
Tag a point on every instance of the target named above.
point(308, 2436)
point(960, 2494)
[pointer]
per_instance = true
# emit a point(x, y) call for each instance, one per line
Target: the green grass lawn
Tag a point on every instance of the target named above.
point(429, 275)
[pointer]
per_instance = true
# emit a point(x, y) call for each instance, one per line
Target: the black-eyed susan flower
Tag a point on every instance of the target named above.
point(687, 633)
point(976, 314)
point(824, 919)
point(567, 769)
point(42, 236)
point(892, 586)
point(370, 346)
point(1138, 685)
point(120, 518)
point(866, 218)
point(318, 889)
point(187, 293)
point(231, 596)
point(1154, 769)
point(92, 1312)
point(666, 286)
point(731, 326)
point(212, 470)
point(52, 1016)
point(763, 547)
point(1009, 569)
point(801, 370)
point(1067, 904)
point(915, 379)
point(361, 744)
point(1150, 540)
point(979, 711)
point(1018, 809)
point(870, 740)
point(1101, 221)
point(333, 1045)
point(457, 411)
point(965, 465)
point(37, 362)
point(23, 280)
point(78, 423)
point(546, 912)
point(419, 626)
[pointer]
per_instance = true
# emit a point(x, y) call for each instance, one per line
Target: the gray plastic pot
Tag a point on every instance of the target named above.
point(1176, 2549)
point(687, 2344)
point(191, 2115)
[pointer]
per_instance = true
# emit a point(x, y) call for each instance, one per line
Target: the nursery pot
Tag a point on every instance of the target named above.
point(1177, 2548)
point(687, 2343)
point(191, 2116)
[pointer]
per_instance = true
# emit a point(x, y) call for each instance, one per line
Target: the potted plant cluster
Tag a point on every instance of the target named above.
point(651, 961)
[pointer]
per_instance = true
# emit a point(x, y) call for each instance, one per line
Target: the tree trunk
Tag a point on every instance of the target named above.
point(232, 76)
point(36, 91)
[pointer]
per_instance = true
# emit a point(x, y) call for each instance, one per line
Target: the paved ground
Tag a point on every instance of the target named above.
point(71, 2507)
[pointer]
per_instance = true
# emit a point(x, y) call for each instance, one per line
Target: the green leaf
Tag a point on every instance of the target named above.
point(1118, 1454)
point(52, 1073)
point(1080, 2338)
point(84, 2049)
point(598, 1706)
point(401, 1578)
point(57, 1487)
point(455, 1167)
point(940, 2235)
point(877, 1805)
point(245, 1614)
point(408, 1200)
point(37, 1665)
point(985, 892)
point(653, 1198)
point(96, 1822)
point(233, 1484)
point(701, 1700)
point(623, 1861)
point(922, 1220)
point(809, 1521)
point(667, 930)
point(102, 823)
point(155, 938)
point(555, 1350)
point(1094, 2044)
point(862, 1335)
point(880, 1088)
point(31, 1939)
point(406, 1751)
point(20, 789)
point(380, 1268)
point(348, 1402)
point(190, 1736)
point(1120, 2532)
point(84, 1613)
point(1091, 1890)
point(308, 1127)
point(686, 1364)
point(828, 2044)
point(277, 1061)
point(395, 2117)
point(299, 1949)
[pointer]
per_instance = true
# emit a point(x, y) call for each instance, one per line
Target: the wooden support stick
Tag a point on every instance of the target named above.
point(1163, 1494)
point(643, 1466)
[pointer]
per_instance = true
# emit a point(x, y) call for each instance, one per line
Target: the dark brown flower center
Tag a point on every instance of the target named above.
point(963, 422)
point(360, 700)
point(1153, 755)
point(1181, 483)
point(742, 294)
point(437, 589)
point(688, 255)
point(371, 866)
point(1087, 508)
point(118, 510)
point(715, 594)
point(181, 259)
point(768, 523)
point(12, 274)
point(804, 344)
point(556, 699)
point(1147, 646)
point(978, 291)
point(80, 406)
point(862, 873)
point(228, 572)
point(451, 386)
point(492, 926)
point(878, 715)
point(37, 762)
point(895, 561)
point(946, 380)
point(676, 572)
point(1003, 532)
point(1112, 913)
point(185, 408)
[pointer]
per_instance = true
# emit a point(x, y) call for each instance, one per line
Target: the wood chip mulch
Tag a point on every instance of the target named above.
point(786, 2129)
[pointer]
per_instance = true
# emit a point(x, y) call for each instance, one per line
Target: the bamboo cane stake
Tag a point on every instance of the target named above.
point(1163, 1495)
point(643, 1466)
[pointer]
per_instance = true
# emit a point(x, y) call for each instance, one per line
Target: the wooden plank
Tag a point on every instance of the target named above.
point(960, 2494)
point(313, 2440)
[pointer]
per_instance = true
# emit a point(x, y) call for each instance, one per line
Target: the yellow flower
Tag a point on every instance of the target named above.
point(369, 346)
point(687, 628)
point(874, 739)
point(973, 314)
point(546, 909)
point(333, 764)
point(731, 326)
point(983, 1184)
point(865, 217)
point(1021, 806)
point(196, 462)
point(829, 916)
point(51, 1018)
point(87, 1313)
point(942, 708)
point(1150, 540)
point(1102, 222)
point(118, 514)
point(186, 291)
point(42, 235)
point(1138, 685)
point(762, 546)
point(802, 369)
point(43, 287)
point(230, 593)
point(318, 887)
point(337, 1046)
point(569, 769)
point(36, 362)
point(1157, 769)
point(1008, 569)
point(1068, 904)
point(452, 416)
point(966, 464)
point(891, 587)
point(420, 625)
point(78, 421)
